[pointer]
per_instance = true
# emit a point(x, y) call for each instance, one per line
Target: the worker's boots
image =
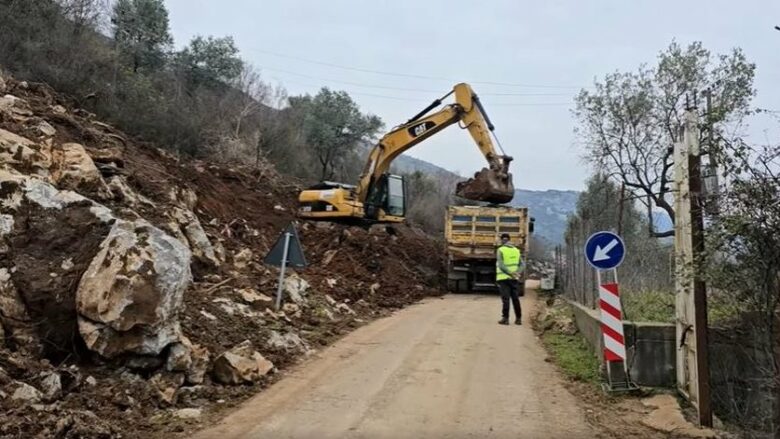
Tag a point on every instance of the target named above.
point(503, 321)
point(518, 321)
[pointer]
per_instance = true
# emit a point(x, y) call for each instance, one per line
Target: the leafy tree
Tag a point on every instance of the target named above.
point(646, 265)
point(628, 122)
point(333, 126)
point(211, 60)
point(141, 31)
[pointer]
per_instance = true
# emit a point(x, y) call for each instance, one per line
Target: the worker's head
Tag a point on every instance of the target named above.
point(504, 238)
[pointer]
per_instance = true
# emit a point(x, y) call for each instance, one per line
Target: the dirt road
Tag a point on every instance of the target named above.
point(442, 368)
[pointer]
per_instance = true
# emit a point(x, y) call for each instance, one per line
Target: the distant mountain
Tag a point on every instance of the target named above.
point(408, 164)
point(550, 208)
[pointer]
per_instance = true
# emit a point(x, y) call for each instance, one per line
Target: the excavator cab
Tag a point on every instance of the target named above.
point(387, 195)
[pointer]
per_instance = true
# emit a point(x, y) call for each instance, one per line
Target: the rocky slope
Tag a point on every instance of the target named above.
point(133, 297)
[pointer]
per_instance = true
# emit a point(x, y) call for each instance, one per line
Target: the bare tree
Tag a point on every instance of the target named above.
point(628, 122)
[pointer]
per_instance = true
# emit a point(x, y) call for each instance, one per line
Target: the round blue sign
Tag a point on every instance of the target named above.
point(604, 250)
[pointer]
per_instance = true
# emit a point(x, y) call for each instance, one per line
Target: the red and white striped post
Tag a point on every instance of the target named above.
point(612, 323)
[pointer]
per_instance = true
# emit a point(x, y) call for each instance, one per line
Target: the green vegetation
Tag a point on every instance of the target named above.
point(658, 306)
point(572, 354)
point(651, 306)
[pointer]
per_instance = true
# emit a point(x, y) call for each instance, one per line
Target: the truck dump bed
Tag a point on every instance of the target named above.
point(472, 234)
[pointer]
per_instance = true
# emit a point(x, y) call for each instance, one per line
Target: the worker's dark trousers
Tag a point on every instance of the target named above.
point(508, 289)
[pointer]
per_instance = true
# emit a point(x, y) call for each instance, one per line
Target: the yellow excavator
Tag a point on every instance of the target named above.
point(380, 196)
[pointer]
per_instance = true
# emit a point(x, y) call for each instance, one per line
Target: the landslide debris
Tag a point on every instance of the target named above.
point(133, 297)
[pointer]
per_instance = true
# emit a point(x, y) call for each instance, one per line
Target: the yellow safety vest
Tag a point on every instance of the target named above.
point(511, 258)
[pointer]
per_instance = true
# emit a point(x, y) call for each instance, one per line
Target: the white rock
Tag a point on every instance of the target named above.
point(295, 288)
point(129, 297)
point(344, 309)
point(51, 385)
point(208, 315)
point(46, 129)
point(289, 342)
point(331, 301)
point(27, 393)
point(187, 413)
point(242, 258)
point(331, 283)
point(199, 243)
point(374, 288)
point(67, 264)
point(91, 381)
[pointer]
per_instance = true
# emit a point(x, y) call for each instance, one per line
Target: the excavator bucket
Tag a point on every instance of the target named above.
point(489, 185)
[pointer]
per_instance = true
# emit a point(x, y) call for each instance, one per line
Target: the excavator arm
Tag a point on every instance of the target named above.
point(493, 184)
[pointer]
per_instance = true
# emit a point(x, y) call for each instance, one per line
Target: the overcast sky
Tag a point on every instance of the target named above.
point(546, 49)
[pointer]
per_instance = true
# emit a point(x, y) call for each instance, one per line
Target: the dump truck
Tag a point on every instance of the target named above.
point(473, 234)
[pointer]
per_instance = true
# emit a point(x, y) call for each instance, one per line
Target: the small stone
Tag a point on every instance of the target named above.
point(242, 258)
point(179, 358)
point(279, 208)
point(374, 288)
point(91, 381)
point(208, 315)
point(251, 296)
point(27, 393)
point(58, 109)
point(331, 282)
point(241, 364)
point(291, 308)
point(51, 385)
point(345, 309)
point(331, 301)
point(46, 129)
point(329, 255)
point(67, 264)
point(187, 413)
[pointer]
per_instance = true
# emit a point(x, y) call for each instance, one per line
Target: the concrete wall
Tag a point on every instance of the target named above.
point(744, 390)
point(650, 346)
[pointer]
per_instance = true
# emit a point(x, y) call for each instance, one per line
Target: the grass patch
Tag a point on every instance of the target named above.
point(572, 354)
point(651, 306)
point(657, 306)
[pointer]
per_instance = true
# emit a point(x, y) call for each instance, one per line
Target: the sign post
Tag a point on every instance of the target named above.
point(286, 251)
point(605, 252)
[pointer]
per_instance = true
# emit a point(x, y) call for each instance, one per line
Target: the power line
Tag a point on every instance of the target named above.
point(407, 99)
point(409, 75)
point(384, 87)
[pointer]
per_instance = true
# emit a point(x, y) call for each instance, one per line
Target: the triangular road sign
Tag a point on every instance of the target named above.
point(295, 256)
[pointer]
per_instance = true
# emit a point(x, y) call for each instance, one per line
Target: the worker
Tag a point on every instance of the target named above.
point(509, 265)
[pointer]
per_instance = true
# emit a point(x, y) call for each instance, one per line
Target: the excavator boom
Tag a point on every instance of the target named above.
point(492, 184)
point(379, 196)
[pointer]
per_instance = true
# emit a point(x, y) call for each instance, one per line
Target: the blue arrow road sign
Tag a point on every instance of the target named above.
point(605, 250)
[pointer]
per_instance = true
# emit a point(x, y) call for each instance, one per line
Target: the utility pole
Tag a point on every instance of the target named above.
point(711, 185)
point(693, 374)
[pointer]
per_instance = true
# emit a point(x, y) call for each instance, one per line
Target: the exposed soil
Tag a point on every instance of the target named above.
point(371, 271)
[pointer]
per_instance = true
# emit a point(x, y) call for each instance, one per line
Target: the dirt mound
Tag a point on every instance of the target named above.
point(355, 274)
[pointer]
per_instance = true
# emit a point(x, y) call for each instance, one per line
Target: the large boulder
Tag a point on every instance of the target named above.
point(241, 364)
point(129, 297)
point(78, 269)
point(48, 238)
